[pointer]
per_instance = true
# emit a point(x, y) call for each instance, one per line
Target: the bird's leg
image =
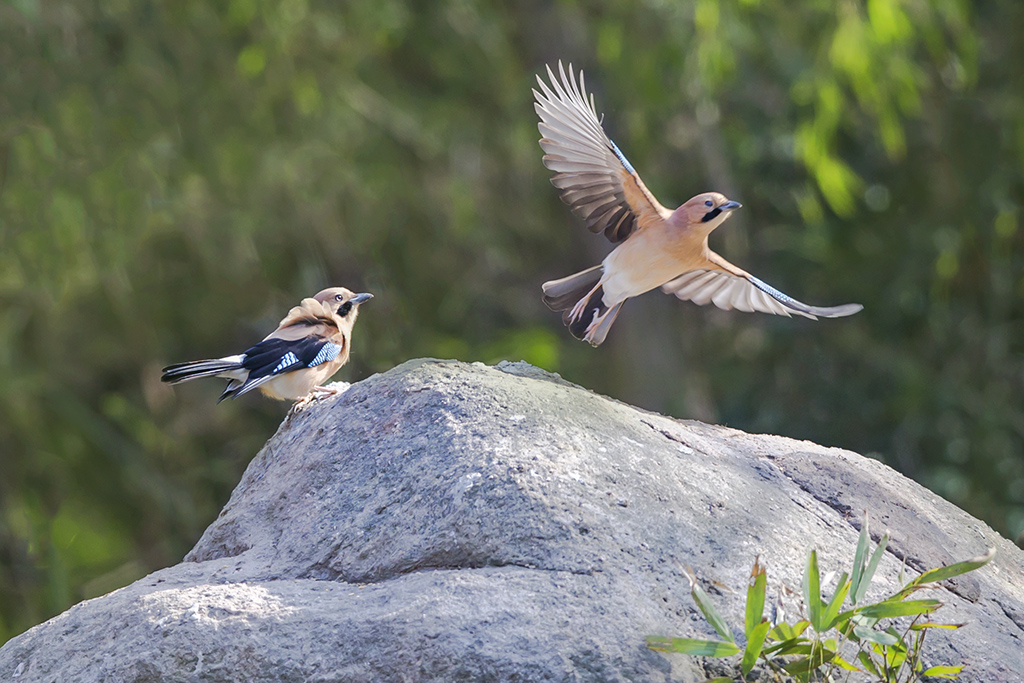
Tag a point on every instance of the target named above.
point(581, 305)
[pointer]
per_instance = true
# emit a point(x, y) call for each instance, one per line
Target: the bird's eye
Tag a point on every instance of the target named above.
point(709, 203)
point(338, 297)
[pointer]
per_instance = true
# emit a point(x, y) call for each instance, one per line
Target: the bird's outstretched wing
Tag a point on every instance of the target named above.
point(275, 356)
point(593, 175)
point(729, 287)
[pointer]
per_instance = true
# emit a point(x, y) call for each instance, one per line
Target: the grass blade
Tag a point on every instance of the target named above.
point(755, 597)
point(927, 625)
point(865, 659)
point(755, 641)
point(831, 613)
point(943, 671)
point(869, 571)
point(859, 558)
point(812, 590)
point(711, 614)
point(692, 646)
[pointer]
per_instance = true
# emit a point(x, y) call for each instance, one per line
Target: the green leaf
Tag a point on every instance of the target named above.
point(843, 664)
point(692, 646)
point(873, 636)
point(955, 569)
point(755, 641)
point(869, 571)
point(943, 671)
point(895, 656)
point(830, 617)
point(900, 646)
point(812, 590)
point(927, 625)
point(710, 613)
point(807, 665)
point(900, 608)
point(865, 659)
point(859, 557)
point(791, 646)
point(784, 631)
point(755, 597)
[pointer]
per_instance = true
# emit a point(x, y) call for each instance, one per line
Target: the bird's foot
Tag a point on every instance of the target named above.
point(581, 306)
point(319, 392)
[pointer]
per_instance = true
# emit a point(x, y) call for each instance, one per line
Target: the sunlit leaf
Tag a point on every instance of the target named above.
point(943, 671)
point(710, 613)
point(812, 591)
point(755, 598)
point(843, 664)
point(926, 626)
point(785, 631)
point(870, 569)
point(865, 659)
point(859, 559)
point(955, 569)
point(831, 613)
point(755, 640)
point(692, 646)
point(900, 608)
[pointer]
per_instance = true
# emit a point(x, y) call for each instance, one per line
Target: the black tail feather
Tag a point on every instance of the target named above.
point(182, 372)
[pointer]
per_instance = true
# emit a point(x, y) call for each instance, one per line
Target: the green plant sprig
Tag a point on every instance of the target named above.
point(812, 645)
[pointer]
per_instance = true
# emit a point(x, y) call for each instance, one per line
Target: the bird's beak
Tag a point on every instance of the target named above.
point(360, 298)
point(729, 206)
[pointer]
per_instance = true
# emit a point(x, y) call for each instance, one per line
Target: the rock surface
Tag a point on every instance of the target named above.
point(454, 522)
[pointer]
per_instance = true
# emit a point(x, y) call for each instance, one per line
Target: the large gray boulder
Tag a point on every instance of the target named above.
point(454, 522)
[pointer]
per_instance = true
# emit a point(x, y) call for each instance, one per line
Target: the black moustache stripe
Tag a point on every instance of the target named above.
point(711, 215)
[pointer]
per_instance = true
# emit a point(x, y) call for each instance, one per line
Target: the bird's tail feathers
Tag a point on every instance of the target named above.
point(182, 372)
point(562, 295)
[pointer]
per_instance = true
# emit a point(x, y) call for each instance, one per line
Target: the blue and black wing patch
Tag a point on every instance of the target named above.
point(273, 357)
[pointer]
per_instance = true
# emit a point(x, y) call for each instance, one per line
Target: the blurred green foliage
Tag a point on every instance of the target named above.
point(175, 175)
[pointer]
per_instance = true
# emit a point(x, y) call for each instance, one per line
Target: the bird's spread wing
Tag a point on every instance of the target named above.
point(594, 177)
point(736, 288)
point(275, 356)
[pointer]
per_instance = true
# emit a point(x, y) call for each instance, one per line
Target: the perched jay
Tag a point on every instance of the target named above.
point(659, 247)
point(307, 348)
